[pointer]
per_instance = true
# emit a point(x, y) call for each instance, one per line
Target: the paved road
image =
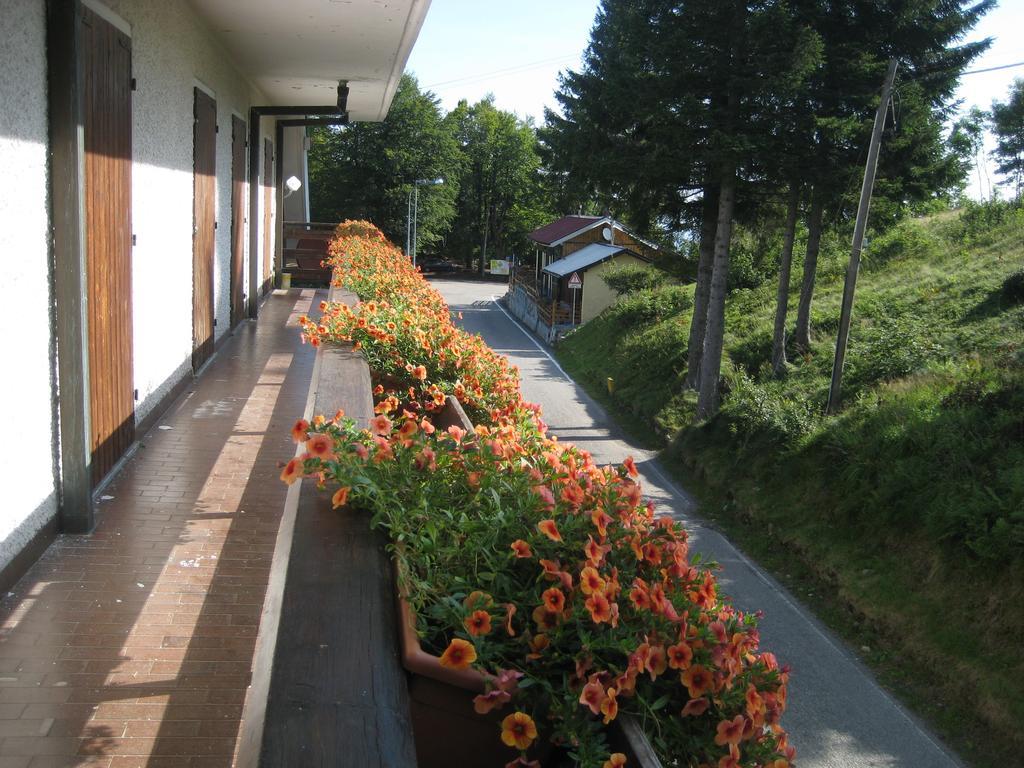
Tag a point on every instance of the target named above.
point(838, 716)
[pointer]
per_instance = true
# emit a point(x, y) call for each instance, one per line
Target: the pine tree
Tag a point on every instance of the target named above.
point(1008, 126)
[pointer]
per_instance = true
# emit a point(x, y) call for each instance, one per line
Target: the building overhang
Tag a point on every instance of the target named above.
point(298, 52)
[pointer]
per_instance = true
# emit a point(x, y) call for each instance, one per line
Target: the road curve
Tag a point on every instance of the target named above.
point(838, 716)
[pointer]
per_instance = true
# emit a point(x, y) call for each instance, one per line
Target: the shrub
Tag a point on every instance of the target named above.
point(650, 305)
point(907, 240)
point(754, 410)
point(888, 349)
point(631, 278)
point(1013, 287)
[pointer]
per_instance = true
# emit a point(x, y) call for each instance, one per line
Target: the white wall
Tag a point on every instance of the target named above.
point(171, 53)
point(25, 325)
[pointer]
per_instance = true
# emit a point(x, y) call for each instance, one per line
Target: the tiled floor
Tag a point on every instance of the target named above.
point(132, 646)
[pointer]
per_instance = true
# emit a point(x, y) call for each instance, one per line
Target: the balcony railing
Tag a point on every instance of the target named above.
point(305, 248)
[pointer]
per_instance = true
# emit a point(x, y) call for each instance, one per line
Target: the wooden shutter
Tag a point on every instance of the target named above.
point(107, 96)
point(204, 177)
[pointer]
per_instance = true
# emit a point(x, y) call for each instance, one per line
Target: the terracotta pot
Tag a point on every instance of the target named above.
point(447, 730)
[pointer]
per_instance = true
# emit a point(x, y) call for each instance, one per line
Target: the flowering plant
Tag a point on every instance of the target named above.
point(416, 353)
point(546, 573)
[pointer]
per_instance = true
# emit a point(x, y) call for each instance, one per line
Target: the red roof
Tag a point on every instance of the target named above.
point(566, 225)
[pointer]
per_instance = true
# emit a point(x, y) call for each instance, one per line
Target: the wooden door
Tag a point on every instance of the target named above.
point(204, 176)
point(107, 96)
point(268, 207)
point(238, 142)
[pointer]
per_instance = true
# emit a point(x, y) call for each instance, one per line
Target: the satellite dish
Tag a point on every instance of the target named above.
point(606, 233)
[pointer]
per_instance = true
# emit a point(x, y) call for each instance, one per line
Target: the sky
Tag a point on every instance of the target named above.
point(515, 50)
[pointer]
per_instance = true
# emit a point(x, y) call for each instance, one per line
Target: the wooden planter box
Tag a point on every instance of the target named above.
point(449, 732)
point(447, 729)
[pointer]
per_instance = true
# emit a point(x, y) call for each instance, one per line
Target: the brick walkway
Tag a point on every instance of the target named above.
point(132, 647)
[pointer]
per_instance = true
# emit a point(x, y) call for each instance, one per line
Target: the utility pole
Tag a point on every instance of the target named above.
point(483, 254)
point(835, 389)
point(415, 214)
point(408, 226)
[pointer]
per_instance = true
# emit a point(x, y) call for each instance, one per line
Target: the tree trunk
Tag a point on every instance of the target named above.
point(802, 337)
point(714, 334)
point(782, 298)
point(705, 264)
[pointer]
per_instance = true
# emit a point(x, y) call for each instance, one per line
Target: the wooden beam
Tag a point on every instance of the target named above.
point(337, 693)
point(67, 218)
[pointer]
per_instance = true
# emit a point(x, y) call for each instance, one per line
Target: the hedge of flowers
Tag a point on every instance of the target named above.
point(416, 353)
point(522, 558)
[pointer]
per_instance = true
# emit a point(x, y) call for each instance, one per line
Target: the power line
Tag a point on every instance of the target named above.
point(506, 70)
point(993, 69)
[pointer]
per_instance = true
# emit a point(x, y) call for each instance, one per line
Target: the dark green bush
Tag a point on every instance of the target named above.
point(645, 306)
point(891, 348)
point(632, 278)
point(760, 411)
point(1013, 287)
point(907, 240)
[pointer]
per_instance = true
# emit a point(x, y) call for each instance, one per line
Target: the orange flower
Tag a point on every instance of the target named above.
point(554, 600)
point(478, 623)
point(572, 494)
point(591, 581)
point(300, 431)
point(549, 529)
point(320, 446)
point(408, 429)
point(600, 520)
point(510, 611)
point(656, 663)
point(458, 655)
point(518, 730)
point(639, 596)
point(419, 372)
point(477, 600)
point(381, 425)
point(615, 760)
point(730, 731)
point(292, 471)
point(521, 548)
point(732, 760)
point(679, 655)
point(630, 466)
point(340, 497)
point(537, 644)
point(599, 607)
point(610, 706)
point(697, 680)
point(695, 707)
point(495, 699)
point(593, 695)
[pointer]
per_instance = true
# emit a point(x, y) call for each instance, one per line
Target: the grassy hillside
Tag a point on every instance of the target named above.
point(901, 519)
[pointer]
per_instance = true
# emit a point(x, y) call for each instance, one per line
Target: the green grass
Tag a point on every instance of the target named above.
point(903, 516)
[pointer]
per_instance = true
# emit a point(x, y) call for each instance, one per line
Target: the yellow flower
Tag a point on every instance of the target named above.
point(518, 730)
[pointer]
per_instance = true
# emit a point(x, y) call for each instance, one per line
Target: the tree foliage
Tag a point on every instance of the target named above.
point(366, 170)
point(1008, 126)
point(487, 158)
point(501, 197)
